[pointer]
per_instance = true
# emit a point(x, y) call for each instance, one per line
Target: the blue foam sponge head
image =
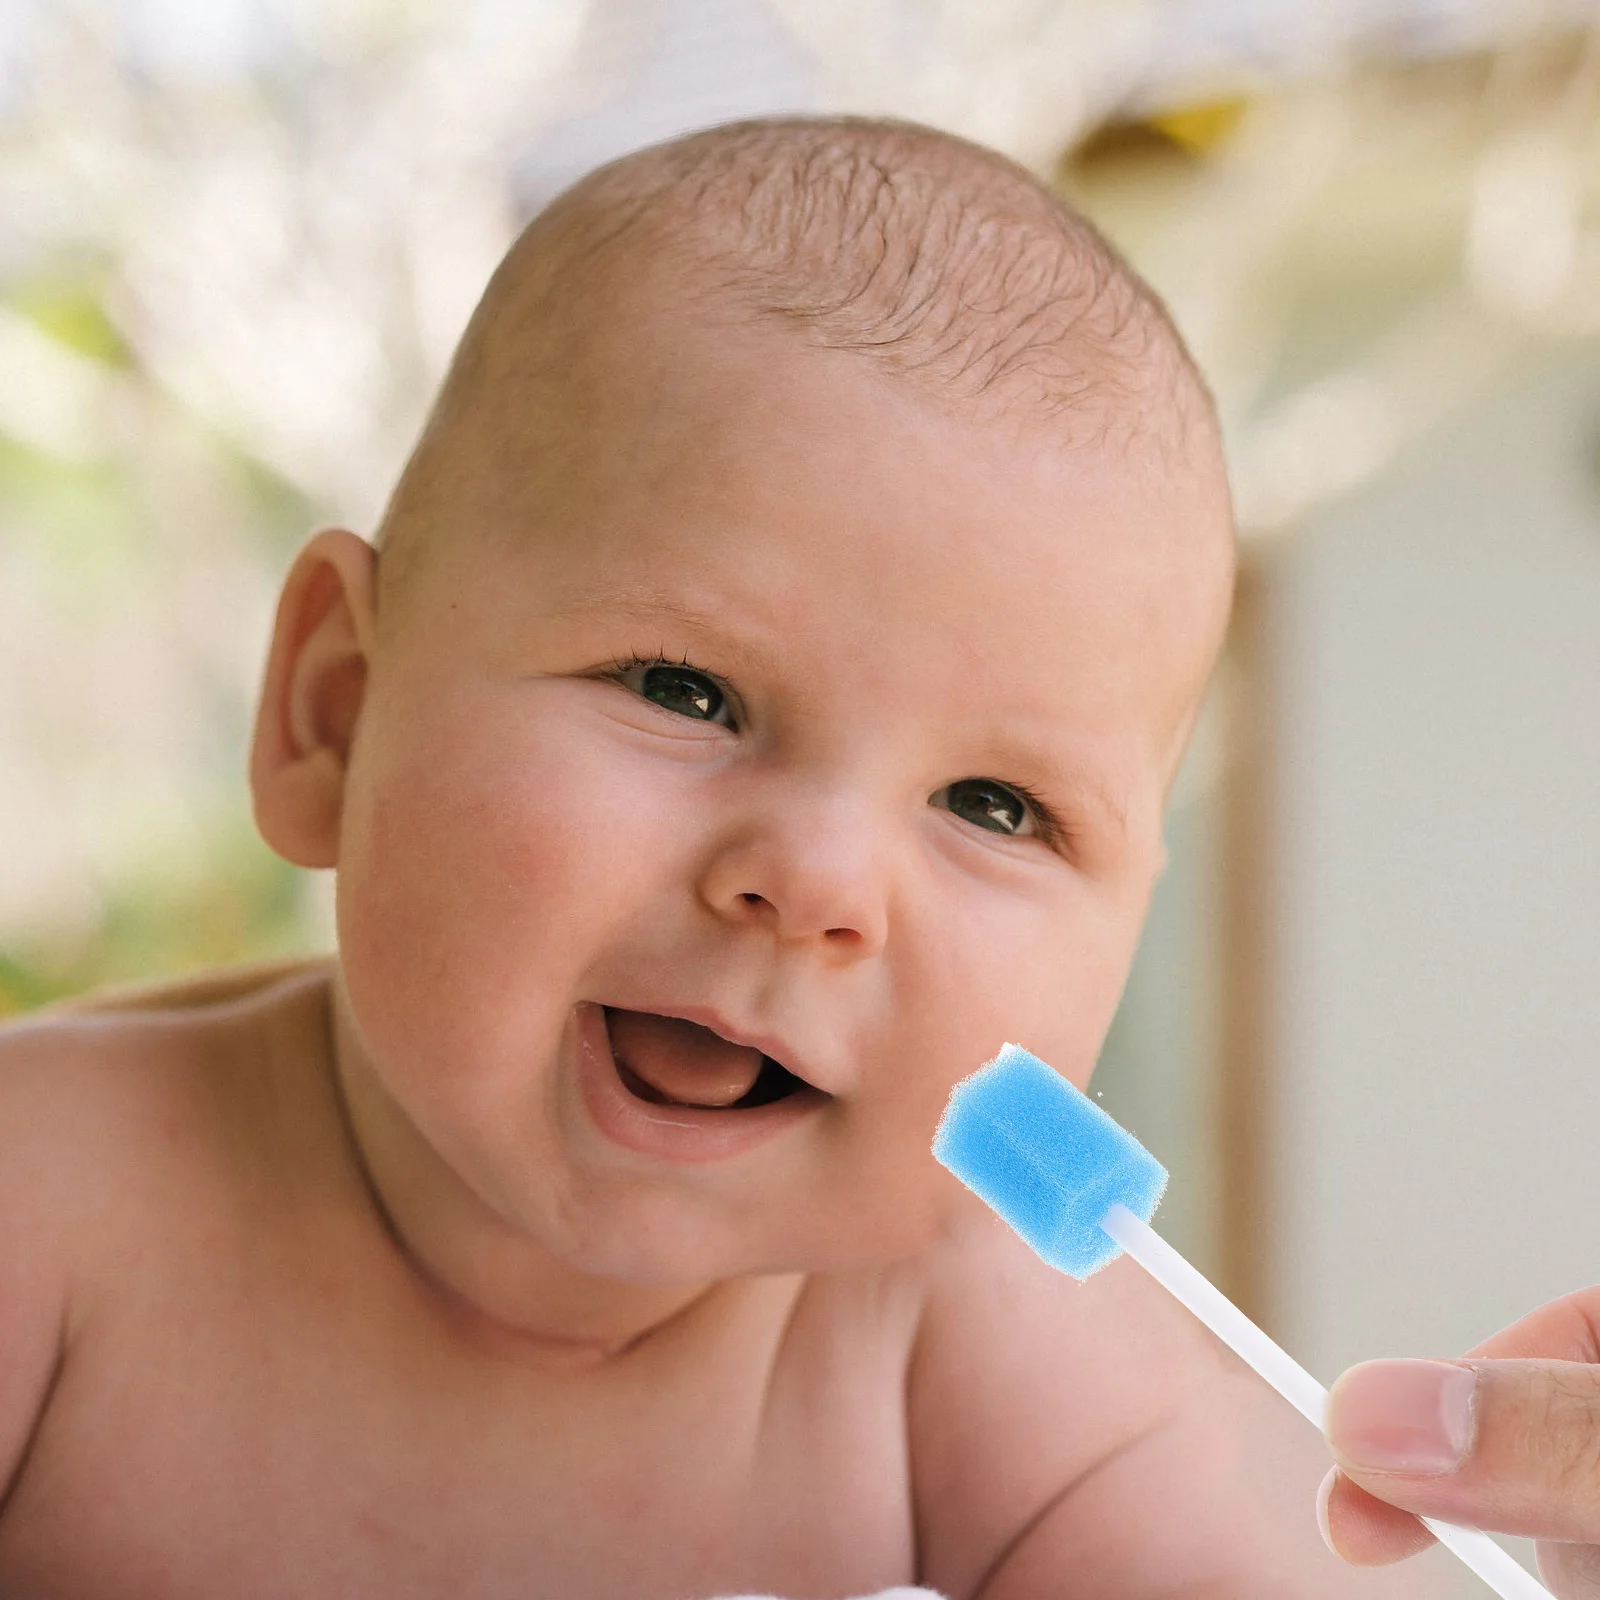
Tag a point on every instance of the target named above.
point(1047, 1158)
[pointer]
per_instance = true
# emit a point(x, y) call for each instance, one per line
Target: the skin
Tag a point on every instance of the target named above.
point(1531, 1462)
point(339, 1284)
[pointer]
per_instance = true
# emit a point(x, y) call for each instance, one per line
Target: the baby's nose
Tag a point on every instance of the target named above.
point(807, 876)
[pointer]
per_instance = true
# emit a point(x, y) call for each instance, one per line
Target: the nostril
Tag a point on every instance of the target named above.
point(840, 935)
point(751, 899)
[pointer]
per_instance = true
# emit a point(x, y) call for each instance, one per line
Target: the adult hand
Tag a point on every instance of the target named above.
point(1507, 1438)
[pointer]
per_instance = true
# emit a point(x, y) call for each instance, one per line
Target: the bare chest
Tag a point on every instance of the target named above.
point(256, 1445)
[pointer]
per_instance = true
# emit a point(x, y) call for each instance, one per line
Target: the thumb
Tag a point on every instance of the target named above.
point(1512, 1446)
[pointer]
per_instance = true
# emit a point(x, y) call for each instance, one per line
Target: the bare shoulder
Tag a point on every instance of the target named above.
point(93, 1090)
point(113, 1112)
point(1097, 1428)
point(70, 1084)
point(1023, 1382)
point(33, 1267)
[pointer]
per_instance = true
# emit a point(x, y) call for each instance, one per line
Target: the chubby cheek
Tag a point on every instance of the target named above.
point(488, 854)
point(1044, 973)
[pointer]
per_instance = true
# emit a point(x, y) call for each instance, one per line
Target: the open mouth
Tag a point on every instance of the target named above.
point(669, 1061)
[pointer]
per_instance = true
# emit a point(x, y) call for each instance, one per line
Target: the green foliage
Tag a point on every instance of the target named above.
point(237, 903)
point(146, 558)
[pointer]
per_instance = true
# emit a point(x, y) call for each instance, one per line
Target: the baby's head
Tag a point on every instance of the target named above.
point(762, 702)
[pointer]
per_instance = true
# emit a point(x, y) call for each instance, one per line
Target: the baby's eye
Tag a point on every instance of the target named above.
point(987, 804)
point(678, 688)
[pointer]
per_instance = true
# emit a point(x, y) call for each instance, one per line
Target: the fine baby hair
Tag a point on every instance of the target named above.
point(1080, 1190)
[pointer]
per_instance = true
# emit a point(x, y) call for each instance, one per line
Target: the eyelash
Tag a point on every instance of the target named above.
point(1051, 830)
point(659, 659)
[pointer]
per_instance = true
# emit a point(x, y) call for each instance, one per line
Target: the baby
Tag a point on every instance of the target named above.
point(757, 707)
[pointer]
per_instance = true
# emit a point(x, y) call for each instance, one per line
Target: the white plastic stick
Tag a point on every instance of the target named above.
point(1491, 1563)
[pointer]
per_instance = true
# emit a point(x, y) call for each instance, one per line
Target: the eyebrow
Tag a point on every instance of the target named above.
point(639, 600)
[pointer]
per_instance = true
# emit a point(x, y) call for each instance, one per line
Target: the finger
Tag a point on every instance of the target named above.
point(1364, 1531)
point(1570, 1570)
point(1512, 1446)
point(1567, 1329)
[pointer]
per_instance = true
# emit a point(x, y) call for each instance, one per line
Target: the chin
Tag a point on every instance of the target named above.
point(665, 1240)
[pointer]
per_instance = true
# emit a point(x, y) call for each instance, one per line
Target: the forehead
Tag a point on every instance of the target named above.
point(710, 472)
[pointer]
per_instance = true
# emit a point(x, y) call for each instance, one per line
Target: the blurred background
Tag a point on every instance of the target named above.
point(239, 237)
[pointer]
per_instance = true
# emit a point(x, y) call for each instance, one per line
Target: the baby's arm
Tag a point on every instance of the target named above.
point(1092, 1439)
point(33, 1271)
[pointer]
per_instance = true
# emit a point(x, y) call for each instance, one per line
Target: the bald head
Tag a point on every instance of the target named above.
point(944, 263)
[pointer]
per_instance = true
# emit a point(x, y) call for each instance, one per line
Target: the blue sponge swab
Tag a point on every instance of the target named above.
point(1081, 1190)
point(1048, 1159)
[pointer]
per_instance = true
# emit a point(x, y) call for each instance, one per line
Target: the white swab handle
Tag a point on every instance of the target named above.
point(1477, 1550)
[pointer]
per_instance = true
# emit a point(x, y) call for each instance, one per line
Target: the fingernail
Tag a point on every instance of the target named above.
point(1324, 1494)
point(1402, 1416)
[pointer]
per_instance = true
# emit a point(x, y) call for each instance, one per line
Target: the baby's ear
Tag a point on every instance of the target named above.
point(315, 681)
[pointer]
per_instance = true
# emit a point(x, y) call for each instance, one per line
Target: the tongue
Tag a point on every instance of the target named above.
point(684, 1063)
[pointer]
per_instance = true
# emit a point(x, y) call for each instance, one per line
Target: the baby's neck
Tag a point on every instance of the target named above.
point(493, 1285)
